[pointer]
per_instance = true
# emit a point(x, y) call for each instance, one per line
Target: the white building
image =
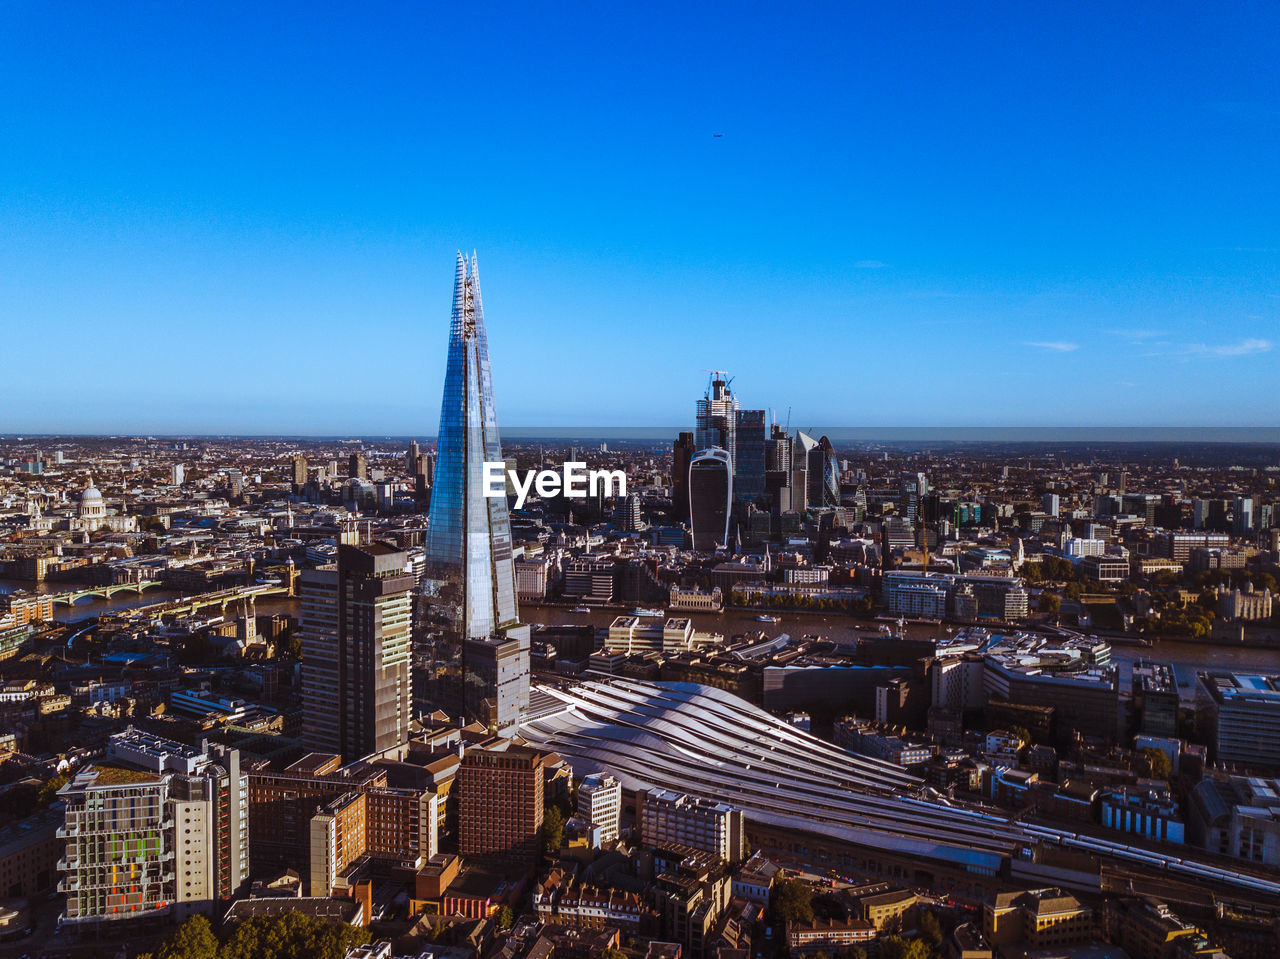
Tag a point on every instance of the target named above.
point(600, 807)
point(714, 827)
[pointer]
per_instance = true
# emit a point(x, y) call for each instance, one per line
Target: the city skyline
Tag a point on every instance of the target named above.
point(1084, 221)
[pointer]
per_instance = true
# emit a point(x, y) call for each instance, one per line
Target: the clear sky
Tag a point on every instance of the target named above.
point(243, 218)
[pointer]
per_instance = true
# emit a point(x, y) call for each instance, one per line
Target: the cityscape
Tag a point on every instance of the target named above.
point(716, 663)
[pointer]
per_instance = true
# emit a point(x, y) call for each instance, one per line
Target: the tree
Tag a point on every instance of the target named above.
point(851, 952)
point(552, 831)
point(1049, 603)
point(49, 791)
point(930, 929)
point(793, 901)
point(194, 939)
point(505, 919)
point(895, 947)
point(1157, 761)
point(613, 954)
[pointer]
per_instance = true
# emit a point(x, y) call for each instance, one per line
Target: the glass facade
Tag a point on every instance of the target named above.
point(469, 593)
point(710, 499)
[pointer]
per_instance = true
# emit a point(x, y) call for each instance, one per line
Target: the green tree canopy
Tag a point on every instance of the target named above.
point(194, 939)
point(792, 901)
point(1157, 761)
point(552, 831)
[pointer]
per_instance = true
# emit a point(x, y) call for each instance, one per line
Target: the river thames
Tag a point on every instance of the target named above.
point(1185, 657)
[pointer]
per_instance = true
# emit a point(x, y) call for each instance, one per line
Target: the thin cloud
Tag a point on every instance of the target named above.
point(869, 265)
point(1243, 348)
point(1055, 346)
point(1139, 334)
point(1246, 347)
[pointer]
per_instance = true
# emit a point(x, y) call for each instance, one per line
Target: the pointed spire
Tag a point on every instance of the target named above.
point(459, 293)
point(477, 308)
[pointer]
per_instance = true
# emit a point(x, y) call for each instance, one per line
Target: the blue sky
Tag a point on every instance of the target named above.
point(243, 218)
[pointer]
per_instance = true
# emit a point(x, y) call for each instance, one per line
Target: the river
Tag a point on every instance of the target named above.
point(1186, 658)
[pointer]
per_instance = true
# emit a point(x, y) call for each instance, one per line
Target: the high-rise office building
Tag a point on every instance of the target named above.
point(156, 828)
point(751, 433)
point(1242, 525)
point(717, 418)
point(299, 465)
point(804, 452)
point(424, 470)
point(357, 466)
point(500, 803)
point(710, 498)
point(627, 515)
point(411, 458)
point(777, 470)
point(469, 583)
point(912, 489)
point(356, 680)
point(827, 488)
point(681, 456)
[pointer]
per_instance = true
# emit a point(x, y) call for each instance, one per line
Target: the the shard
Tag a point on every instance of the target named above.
point(479, 653)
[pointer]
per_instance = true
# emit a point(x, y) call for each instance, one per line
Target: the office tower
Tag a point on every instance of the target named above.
point(777, 450)
point(912, 489)
point(423, 471)
point(156, 828)
point(627, 515)
point(177, 474)
point(750, 432)
point(665, 816)
point(1243, 522)
point(411, 458)
point(717, 418)
point(681, 456)
point(299, 463)
point(710, 499)
point(804, 452)
point(356, 688)
point(235, 483)
point(500, 804)
point(824, 476)
point(1050, 503)
point(777, 470)
point(469, 583)
point(600, 807)
point(357, 466)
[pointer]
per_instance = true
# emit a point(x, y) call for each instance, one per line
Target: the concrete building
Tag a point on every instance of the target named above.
point(1244, 716)
point(665, 816)
point(1038, 919)
point(500, 803)
point(356, 680)
point(600, 807)
point(157, 829)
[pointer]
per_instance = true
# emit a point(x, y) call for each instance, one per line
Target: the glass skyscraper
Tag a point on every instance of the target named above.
point(469, 589)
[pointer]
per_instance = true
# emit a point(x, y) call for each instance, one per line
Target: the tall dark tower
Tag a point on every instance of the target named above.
point(481, 652)
point(356, 683)
point(710, 499)
point(681, 456)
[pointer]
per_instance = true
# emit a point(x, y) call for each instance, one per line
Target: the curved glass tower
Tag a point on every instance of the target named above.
point(710, 499)
point(470, 588)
